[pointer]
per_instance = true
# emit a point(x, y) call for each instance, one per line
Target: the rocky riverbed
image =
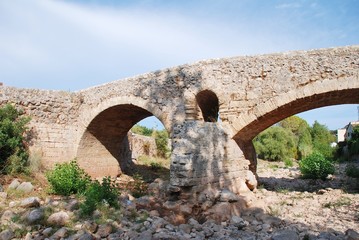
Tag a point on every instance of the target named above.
point(283, 207)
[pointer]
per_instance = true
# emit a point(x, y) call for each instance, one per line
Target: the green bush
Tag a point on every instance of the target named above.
point(288, 162)
point(100, 193)
point(161, 138)
point(68, 178)
point(13, 152)
point(316, 166)
point(275, 144)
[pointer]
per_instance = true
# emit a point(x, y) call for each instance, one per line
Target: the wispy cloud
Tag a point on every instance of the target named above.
point(288, 5)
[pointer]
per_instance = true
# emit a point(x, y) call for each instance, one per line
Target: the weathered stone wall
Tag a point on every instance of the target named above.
point(206, 156)
point(142, 145)
point(253, 93)
point(53, 120)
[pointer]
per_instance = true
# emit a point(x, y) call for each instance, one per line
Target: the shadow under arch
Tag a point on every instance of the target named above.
point(104, 149)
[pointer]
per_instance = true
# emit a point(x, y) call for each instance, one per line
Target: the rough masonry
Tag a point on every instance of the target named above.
point(248, 94)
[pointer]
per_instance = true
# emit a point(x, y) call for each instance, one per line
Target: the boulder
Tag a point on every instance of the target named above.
point(61, 233)
point(285, 235)
point(352, 234)
point(104, 230)
point(14, 184)
point(238, 222)
point(30, 202)
point(7, 235)
point(228, 196)
point(59, 218)
point(7, 216)
point(25, 187)
point(3, 195)
point(35, 216)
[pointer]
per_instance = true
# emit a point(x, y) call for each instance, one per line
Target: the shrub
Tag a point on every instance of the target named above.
point(138, 187)
point(13, 152)
point(288, 162)
point(155, 166)
point(68, 178)
point(98, 194)
point(275, 144)
point(316, 166)
point(161, 138)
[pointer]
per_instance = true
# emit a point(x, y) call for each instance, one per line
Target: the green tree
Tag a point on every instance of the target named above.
point(13, 152)
point(322, 138)
point(275, 143)
point(161, 138)
point(301, 129)
point(142, 130)
point(353, 143)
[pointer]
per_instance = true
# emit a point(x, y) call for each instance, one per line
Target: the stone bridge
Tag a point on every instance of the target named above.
point(212, 110)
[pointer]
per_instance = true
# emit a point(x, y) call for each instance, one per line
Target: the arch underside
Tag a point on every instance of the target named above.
point(348, 96)
point(104, 148)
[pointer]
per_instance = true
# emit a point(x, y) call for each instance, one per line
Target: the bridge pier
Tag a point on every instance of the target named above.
point(204, 156)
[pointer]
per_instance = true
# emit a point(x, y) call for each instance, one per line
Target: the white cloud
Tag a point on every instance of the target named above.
point(288, 5)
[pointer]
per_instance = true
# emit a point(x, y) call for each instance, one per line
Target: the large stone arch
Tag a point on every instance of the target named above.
point(304, 98)
point(103, 148)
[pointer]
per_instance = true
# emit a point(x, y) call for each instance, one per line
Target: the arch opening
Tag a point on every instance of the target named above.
point(209, 104)
point(282, 146)
point(246, 134)
point(107, 145)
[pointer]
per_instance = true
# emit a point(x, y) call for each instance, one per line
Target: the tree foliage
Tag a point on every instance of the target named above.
point(13, 152)
point(316, 166)
point(300, 128)
point(142, 130)
point(322, 138)
point(294, 138)
point(353, 143)
point(275, 143)
point(161, 138)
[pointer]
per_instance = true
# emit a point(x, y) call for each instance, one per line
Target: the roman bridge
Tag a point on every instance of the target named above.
point(212, 110)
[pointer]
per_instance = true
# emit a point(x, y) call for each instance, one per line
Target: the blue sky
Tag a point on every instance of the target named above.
point(71, 45)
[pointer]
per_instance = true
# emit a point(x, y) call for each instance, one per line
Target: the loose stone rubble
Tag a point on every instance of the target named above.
point(285, 213)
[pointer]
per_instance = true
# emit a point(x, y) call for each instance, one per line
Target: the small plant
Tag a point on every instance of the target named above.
point(343, 201)
point(155, 166)
point(105, 193)
point(137, 187)
point(282, 190)
point(13, 142)
point(273, 166)
point(274, 211)
point(315, 166)
point(288, 162)
point(67, 179)
point(146, 148)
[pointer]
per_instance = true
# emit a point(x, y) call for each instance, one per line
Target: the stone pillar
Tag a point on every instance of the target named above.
point(204, 156)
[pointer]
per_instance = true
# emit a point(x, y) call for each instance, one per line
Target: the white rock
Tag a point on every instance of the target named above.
point(59, 218)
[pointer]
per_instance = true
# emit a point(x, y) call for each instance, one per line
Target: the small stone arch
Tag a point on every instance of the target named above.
point(208, 103)
point(104, 149)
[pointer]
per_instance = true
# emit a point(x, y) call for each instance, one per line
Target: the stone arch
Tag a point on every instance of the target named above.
point(208, 103)
point(317, 95)
point(103, 148)
point(264, 115)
